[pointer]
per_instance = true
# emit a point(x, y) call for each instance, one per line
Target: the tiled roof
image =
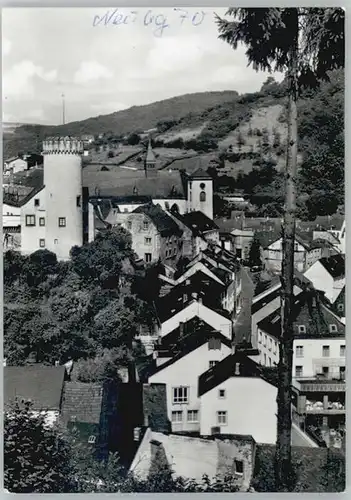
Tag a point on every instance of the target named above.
point(163, 222)
point(9, 200)
point(82, 402)
point(123, 182)
point(188, 345)
point(226, 369)
point(198, 222)
point(43, 385)
point(181, 296)
point(308, 310)
point(335, 265)
point(193, 326)
point(200, 174)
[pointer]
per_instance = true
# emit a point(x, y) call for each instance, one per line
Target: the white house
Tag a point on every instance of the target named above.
point(15, 165)
point(328, 276)
point(170, 319)
point(304, 255)
point(235, 398)
point(196, 354)
point(319, 339)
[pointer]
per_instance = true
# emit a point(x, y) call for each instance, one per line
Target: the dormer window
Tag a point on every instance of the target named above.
point(302, 328)
point(91, 439)
point(333, 328)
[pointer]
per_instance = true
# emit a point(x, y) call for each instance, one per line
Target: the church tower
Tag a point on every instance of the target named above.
point(63, 193)
point(150, 159)
point(200, 193)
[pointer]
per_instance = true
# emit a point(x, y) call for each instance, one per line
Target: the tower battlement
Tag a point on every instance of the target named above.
point(62, 145)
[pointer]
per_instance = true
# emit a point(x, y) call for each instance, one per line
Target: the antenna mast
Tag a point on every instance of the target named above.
point(63, 109)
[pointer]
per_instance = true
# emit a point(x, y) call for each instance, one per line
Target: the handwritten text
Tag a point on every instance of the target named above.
point(158, 22)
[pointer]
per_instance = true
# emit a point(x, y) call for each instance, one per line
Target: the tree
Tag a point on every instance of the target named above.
point(36, 457)
point(305, 44)
point(133, 139)
point(255, 252)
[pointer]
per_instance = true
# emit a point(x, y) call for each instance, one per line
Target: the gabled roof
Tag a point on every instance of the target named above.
point(82, 402)
point(226, 369)
point(42, 385)
point(335, 265)
point(163, 222)
point(198, 222)
point(188, 345)
point(193, 326)
point(181, 296)
point(200, 174)
point(309, 310)
point(10, 200)
point(127, 182)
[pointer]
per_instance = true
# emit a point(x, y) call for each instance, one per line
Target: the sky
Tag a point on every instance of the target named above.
point(106, 60)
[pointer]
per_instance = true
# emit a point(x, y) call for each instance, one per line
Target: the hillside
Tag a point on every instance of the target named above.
point(136, 118)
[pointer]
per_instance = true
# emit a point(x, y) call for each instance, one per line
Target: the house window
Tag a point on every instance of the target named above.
point(129, 224)
point(190, 196)
point(177, 416)
point(42, 243)
point(180, 395)
point(296, 247)
point(221, 417)
point(193, 415)
point(214, 344)
point(302, 328)
point(213, 363)
point(325, 370)
point(342, 372)
point(30, 220)
point(333, 328)
point(325, 351)
point(299, 351)
point(275, 347)
point(147, 241)
point(260, 337)
point(270, 344)
point(298, 371)
point(41, 221)
point(148, 257)
point(265, 340)
point(55, 242)
point(145, 225)
point(91, 439)
point(340, 307)
point(239, 467)
point(342, 351)
point(221, 393)
point(78, 200)
point(62, 221)
point(264, 359)
point(37, 202)
point(202, 196)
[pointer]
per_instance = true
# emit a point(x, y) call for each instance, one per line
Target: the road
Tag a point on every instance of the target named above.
point(242, 325)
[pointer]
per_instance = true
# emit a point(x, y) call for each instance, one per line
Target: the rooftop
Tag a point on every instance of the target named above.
point(198, 222)
point(163, 222)
point(335, 265)
point(235, 365)
point(42, 385)
point(200, 174)
point(82, 402)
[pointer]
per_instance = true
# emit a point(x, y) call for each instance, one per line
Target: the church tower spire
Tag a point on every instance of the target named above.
point(150, 158)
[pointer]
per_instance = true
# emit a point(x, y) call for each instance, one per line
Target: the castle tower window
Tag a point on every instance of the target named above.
point(78, 201)
point(41, 221)
point(202, 196)
point(202, 185)
point(62, 221)
point(36, 202)
point(42, 243)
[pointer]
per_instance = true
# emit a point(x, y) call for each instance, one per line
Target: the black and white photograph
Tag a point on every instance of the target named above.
point(173, 249)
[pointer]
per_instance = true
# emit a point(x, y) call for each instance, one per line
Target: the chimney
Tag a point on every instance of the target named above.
point(237, 368)
point(181, 329)
point(199, 300)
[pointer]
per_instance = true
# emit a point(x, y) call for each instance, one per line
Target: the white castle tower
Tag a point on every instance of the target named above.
point(63, 194)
